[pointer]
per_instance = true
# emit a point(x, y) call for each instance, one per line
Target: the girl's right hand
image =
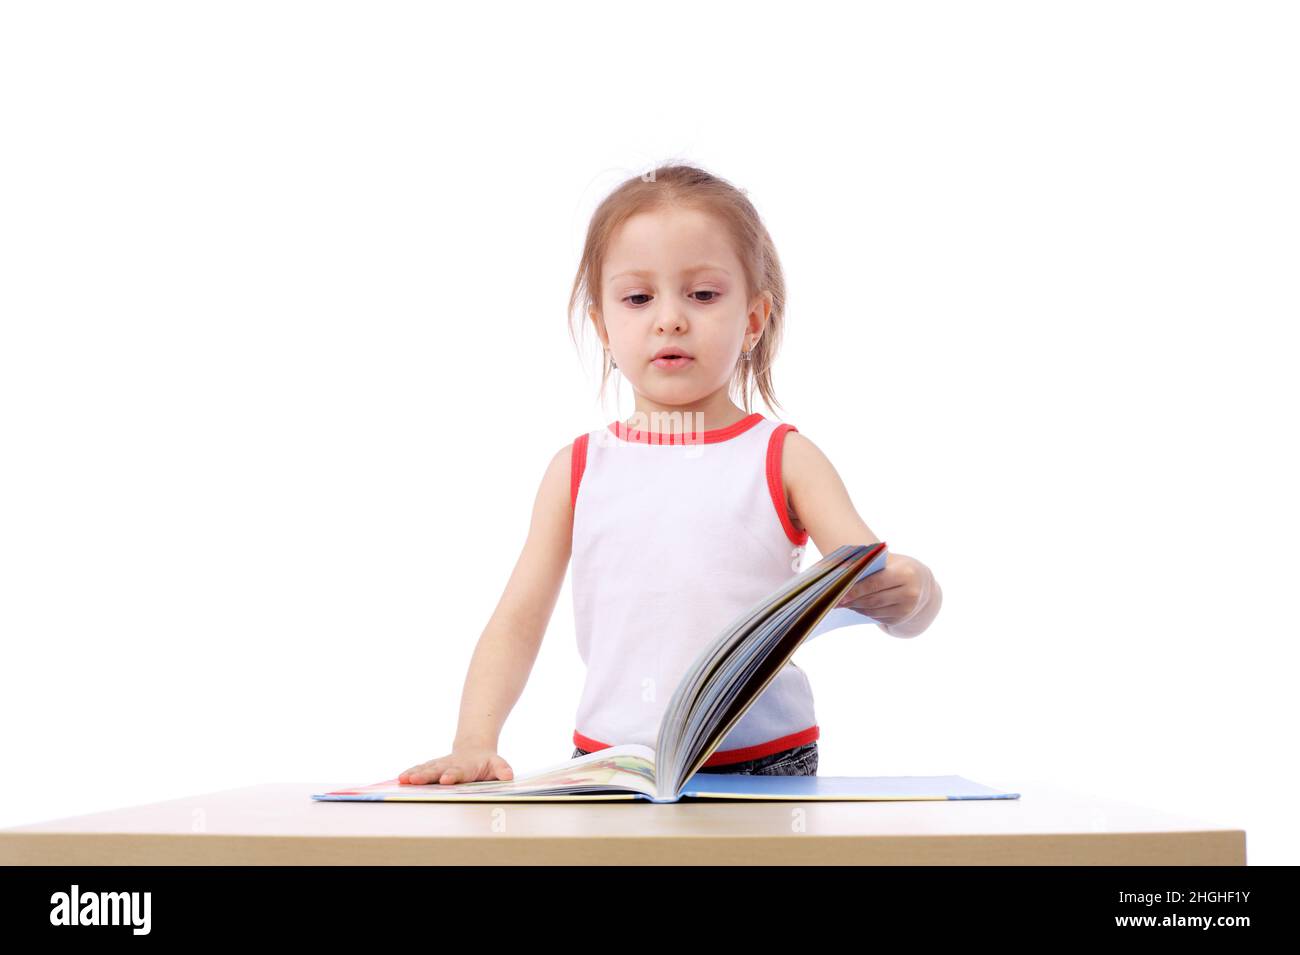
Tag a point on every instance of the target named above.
point(460, 766)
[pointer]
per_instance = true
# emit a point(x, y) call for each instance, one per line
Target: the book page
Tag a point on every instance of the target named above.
point(729, 675)
point(626, 768)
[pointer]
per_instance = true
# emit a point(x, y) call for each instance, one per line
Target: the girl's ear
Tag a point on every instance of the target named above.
point(760, 312)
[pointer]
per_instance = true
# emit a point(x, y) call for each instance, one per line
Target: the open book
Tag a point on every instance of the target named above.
point(714, 694)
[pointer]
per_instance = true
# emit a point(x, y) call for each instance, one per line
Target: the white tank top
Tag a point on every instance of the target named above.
point(674, 536)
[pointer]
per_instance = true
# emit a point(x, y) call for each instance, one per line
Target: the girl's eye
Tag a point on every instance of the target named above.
point(710, 292)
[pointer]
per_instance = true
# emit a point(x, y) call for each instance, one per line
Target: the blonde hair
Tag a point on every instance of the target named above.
point(694, 188)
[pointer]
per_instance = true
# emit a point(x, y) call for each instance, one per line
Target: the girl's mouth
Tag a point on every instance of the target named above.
point(672, 361)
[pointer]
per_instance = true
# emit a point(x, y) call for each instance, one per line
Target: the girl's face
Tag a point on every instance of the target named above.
point(672, 282)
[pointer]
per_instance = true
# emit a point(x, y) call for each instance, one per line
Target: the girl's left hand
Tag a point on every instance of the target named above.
point(893, 594)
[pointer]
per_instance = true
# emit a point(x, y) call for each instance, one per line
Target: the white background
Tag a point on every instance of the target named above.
point(283, 358)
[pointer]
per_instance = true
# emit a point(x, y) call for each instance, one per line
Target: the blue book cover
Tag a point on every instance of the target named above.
point(837, 788)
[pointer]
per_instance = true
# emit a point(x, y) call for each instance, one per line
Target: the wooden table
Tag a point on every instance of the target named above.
point(280, 824)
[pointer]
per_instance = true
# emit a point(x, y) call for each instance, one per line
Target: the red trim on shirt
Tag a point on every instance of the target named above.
point(726, 757)
point(694, 437)
point(587, 743)
point(577, 465)
point(774, 445)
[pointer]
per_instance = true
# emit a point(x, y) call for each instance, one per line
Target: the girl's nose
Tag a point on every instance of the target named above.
point(670, 319)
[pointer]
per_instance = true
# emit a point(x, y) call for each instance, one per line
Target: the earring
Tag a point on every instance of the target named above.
point(744, 356)
point(612, 362)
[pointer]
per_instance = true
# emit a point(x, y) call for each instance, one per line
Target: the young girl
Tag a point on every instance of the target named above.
point(682, 518)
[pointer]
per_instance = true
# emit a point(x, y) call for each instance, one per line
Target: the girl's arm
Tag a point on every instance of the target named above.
point(903, 596)
point(508, 647)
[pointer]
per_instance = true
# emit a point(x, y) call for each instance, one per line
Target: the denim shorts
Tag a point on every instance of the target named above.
point(798, 761)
